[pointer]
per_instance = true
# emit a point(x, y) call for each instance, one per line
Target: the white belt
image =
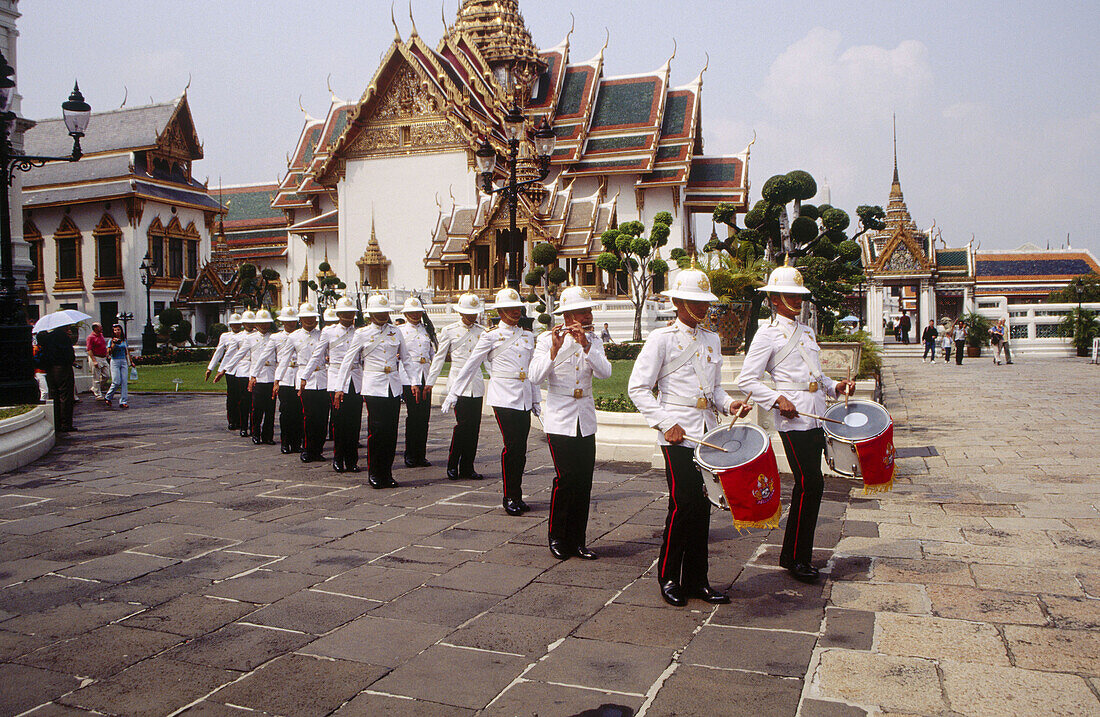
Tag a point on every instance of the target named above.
point(422, 360)
point(700, 402)
point(575, 393)
point(380, 369)
point(519, 375)
point(812, 386)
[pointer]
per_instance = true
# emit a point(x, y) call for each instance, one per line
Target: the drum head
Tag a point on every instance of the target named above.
point(862, 420)
point(743, 442)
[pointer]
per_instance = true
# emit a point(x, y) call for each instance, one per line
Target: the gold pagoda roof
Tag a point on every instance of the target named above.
point(497, 28)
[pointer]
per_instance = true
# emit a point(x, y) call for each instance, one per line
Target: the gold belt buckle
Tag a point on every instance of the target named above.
point(578, 393)
point(812, 388)
point(423, 360)
point(387, 369)
point(522, 375)
point(701, 402)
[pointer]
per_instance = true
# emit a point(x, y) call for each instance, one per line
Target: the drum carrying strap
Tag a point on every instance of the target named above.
point(506, 344)
point(787, 348)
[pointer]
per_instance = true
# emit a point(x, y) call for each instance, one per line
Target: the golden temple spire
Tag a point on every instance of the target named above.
point(896, 150)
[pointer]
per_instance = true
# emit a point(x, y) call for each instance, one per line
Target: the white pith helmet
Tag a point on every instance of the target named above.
point(330, 315)
point(379, 304)
point(288, 313)
point(784, 280)
point(263, 316)
point(344, 304)
point(234, 319)
point(574, 298)
point(469, 304)
point(248, 317)
point(412, 304)
point(307, 309)
point(507, 299)
point(691, 285)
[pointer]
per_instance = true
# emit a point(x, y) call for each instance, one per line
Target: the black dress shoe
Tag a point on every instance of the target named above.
point(584, 553)
point(410, 464)
point(391, 483)
point(670, 591)
point(285, 450)
point(803, 572)
point(708, 594)
point(452, 475)
point(268, 442)
point(375, 481)
point(245, 434)
point(338, 467)
point(256, 441)
point(423, 463)
point(351, 469)
point(512, 507)
point(475, 476)
point(306, 458)
point(558, 549)
point(523, 506)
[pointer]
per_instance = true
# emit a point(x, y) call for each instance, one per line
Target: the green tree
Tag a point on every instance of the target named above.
point(634, 260)
point(256, 288)
point(1090, 290)
point(328, 287)
point(546, 276)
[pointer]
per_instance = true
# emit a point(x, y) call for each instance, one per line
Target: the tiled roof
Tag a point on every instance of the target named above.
point(128, 128)
point(951, 259)
point(250, 206)
point(716, 179)
point(1033, 265)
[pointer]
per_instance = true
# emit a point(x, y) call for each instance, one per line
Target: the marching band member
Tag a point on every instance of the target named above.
point(290, 406)
point(372, 365)
point(569, 357)
point(227, 343)
point(684, 362)
point(513, 397)
point(417, 391)
point(310, 388)
point(787, 349)
point(457, 340)
point(328, 353)
point(238, 366)
point(261, 381)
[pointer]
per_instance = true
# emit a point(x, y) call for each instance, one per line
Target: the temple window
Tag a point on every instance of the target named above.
point(108, 254)
point(33, 237)
point(69, 273)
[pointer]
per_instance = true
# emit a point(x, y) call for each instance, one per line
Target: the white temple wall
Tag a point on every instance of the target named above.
point(401, 194)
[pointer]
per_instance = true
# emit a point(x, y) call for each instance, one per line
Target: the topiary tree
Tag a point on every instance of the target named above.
point(547, 276)
point(256, 288)
point(633, 260)
point(214, 333)
point(329, 288)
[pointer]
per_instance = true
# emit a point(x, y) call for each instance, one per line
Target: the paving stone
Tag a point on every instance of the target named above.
point(695, 690)
point(453, 676)
point(966, 603)
point(772, 652)
point(1073, 613)
point(261, 586)
point(583, 573)
point(988, 691)
point(517, 634)
point(772, 599)
point(189, 615)
point(16, 571)
point(558, 601)
point(310, 611)
point(369, 704)
point(879, 547)
point(27, 687)
point(901, 684)
point(485, 577)
point(156, 686)
point(375, 582)
point(432, 560)
point(602, 665)
point(153, 589)
point(1029, 580)
point(528, 698)
point(72, 619)
point(101, 652)
point(438, 606)
point(1053, 649)
point(14, 644)
point(239, 647)
point(850, 567)
point(54, 709)
point(46, 592)
point(376, 640)
point(881, 597)
point(939, 638)
point(186, 546)
point(821, 708)
point(320, 685)
point(655, 627)
point(322, 561)
point(851, 629)
point(923, 572)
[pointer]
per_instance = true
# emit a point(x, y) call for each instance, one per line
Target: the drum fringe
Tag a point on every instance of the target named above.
point(879, 487)
point(768, 523)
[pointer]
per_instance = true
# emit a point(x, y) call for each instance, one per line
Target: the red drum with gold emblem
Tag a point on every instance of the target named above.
point(862, 444)
point(746, 472)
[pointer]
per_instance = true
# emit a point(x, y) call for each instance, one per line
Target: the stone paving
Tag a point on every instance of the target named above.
point(155, 563)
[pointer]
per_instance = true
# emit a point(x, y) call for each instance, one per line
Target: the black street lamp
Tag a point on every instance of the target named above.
point(149, 271)
point(125, 318)
point(17, 382)
point(486, 158)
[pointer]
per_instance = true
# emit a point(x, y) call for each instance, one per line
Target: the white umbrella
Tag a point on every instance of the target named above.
point(65, 317)
point(849, 320)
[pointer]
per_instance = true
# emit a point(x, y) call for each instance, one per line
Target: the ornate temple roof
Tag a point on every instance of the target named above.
point(497, 29)
point(254, 229)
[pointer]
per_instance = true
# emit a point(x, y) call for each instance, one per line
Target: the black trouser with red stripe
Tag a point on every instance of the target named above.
point(515, 426)
point(683, 556)
point(574, 460)
point(290, 419)
point(347, 423)
point(232, 402)
point(803, 449)
point(263, 412)
point(315, 407)
point(383, 414)
point(460, 460)
point(244, 405)
point(416, 425)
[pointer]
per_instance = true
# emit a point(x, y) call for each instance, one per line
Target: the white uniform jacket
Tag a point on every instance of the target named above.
point(294, 355)
point(242, 360)
point(265, 357)
point(232, 348)
point(792, 374)
point(219, 353)
point(508, 350)
point(569, 402)
point(685, 365)
point(373, 361)
point(420, 351)
point(329, 352)
point(458, 341)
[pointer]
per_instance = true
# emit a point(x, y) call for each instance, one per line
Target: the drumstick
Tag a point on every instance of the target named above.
point(708, 445)
point(748, 397)
point(846, 388)
point(820, 418)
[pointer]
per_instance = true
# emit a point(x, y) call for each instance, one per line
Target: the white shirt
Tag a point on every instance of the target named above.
point(373, 361)
point(458, 340)
point(769, 341)
point(509, 358)
point(418, 345)
point(241, 363)
point(265, 357)
point(699, 377)
point(569, 403)
point(233, 346)
point(329, 352)
point(298, 350)
point(224, 342)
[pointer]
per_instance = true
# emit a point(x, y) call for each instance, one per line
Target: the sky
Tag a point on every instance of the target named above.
point(997, 103)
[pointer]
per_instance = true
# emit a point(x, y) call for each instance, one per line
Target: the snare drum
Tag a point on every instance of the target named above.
point(744, 479)
point(864, 424)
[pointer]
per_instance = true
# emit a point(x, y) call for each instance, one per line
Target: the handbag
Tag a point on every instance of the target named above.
point(133, 373)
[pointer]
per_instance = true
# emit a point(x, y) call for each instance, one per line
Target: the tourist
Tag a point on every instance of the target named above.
point(960, 341)
point(121, 361)
point(57, 357)
point(996, 339)
point(929, 338)
point(605, 335)
point(948, 342)
point(903, 327)
point(96, 345)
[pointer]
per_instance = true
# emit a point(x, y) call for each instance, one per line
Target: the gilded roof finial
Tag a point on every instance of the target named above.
point(414, 34)
point(668, 64)
point(706, 66)
point(396, 32)
point(443, 14)
point(896, 148)
point(572, 27)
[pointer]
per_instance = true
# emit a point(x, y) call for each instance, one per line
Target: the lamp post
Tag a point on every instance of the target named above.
point(17, 382)
point(125, 318)
point(149, 272)
point(486, 158)
point(1082, 350)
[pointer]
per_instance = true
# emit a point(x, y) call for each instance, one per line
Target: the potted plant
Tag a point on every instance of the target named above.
point(977, 333)
point(1081, 326)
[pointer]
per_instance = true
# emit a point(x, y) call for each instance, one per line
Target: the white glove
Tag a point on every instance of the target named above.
point(447, 405)
point(537, 409)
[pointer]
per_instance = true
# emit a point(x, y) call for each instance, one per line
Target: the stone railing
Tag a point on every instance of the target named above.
point(26, 437)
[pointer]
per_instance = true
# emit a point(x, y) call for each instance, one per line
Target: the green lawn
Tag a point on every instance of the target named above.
point(13, 411)
point(159, 378)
